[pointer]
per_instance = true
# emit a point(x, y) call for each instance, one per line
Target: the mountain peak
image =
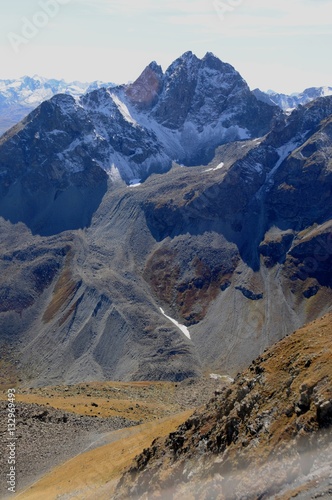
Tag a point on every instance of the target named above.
point(154, 66)
point(209, 56)
point(187, 55)
point(144, 91)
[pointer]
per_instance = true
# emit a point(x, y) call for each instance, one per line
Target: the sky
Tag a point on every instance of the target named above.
point(284, 45)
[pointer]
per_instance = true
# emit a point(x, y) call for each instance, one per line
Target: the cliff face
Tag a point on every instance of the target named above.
point(268, 428)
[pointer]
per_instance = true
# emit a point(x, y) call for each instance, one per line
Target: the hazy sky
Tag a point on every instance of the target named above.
point(279, 44)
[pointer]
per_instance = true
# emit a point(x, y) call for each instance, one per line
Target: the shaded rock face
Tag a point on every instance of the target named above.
point(268, 428)
point(302, 187)
point(200, 91)
point(275, 247)
point(311, 257)
point(37, 187)
point(195, 278)
point(274, 184)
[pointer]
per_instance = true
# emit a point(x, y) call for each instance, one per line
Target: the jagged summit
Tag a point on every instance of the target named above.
point(140, 128)
point(144, 91)
point(212, 61)
point(199, 91)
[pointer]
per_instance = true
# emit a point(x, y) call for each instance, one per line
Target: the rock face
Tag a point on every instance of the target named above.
point(272, 426)
point(225, 249)
point(38, 187)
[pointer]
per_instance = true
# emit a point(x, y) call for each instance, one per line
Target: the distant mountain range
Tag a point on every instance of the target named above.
point(180, 195)
point(290, 102)
point(20, 96)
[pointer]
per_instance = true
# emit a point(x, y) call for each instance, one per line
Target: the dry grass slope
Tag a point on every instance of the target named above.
point(269, 428)
point(143, 401)
point(94, 474)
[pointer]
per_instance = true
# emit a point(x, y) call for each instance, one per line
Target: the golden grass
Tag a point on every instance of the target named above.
point(135, 400)
point(94, 474)
point(307, 355)
point(82, 405)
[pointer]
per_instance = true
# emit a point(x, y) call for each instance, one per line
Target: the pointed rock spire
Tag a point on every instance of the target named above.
point(145, 90)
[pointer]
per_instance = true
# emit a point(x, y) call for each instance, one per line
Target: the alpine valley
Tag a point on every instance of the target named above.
point(177, 196)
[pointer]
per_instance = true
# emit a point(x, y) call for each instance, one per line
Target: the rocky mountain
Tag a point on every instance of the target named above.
point(18, 97)
point(290, 102)
point(188, 272)
point(267, 434)
point(128, 132)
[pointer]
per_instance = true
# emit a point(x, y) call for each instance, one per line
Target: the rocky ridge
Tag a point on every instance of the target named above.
point(269, 429)
point(18, 97)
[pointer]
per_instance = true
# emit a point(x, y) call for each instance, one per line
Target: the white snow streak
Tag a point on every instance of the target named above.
point(183, 328)
point(224, 378)
point(218, 167)
point(123, 109)
point(135, 182)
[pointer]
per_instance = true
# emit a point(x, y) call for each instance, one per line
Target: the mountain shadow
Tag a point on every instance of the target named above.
point(52, 208)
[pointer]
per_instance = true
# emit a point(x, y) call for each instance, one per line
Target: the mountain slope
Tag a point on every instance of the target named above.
point(272, 426)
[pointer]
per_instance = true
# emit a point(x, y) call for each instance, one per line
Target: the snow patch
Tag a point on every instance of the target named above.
point(183, 328)
point(123, 110)
point(225, 378)
point(56, 132)
point(134, 183)
point(218, 167)
point(326, 91)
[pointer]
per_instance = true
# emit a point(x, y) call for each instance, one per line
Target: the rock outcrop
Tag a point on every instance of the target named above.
point(270, 427)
